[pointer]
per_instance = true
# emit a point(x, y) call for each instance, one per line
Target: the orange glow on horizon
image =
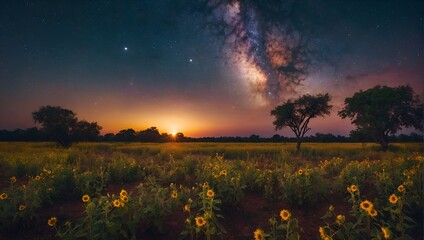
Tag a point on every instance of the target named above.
point(188, 124)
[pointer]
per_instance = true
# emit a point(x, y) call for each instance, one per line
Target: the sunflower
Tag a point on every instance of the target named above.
point(210, 193)
point(340, 219)
point(116, 203)
point(258, 234)
point(37, 178)
point(124, 199)
point(393, 199)
point(401, 188)
point(366, 205)
point(331, 208)
point(85, 198)
point(52, 221)
point(3, 196)
point(21, 207)
point(223, 173)
point(205, 184)
point(372, 213)
point(321, 232)
point(123, 193)
point(174, 194)
point(300, 171)
point(353, 188)
point(186, 208)
point(13, 179)
point(285, 214)
point(200, 221)
point(386, 232)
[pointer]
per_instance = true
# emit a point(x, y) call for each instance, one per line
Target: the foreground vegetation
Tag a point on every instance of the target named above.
point(211, 191)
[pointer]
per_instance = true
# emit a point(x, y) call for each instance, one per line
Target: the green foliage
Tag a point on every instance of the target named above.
point(332, 167)
point(369, 220)
point(220, 175)
point(18, 204)
point(267, 180)
point(297, 114)
point(305, 187)
point(357, 172)
point(203, 215)
point(382, 110)
point(63, 126)
point(49, 176)
point(283, 227)
point(153, 202)
point(106, 217)
point(122, 169)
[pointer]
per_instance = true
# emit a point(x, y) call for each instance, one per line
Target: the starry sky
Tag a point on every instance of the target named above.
point(166, 63)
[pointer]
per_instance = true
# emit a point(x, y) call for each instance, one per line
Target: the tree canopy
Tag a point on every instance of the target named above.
point(63, 125)
point(382, 110)
point(297, 114)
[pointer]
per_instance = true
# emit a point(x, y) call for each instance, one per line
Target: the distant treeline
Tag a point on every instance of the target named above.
point(153, 135)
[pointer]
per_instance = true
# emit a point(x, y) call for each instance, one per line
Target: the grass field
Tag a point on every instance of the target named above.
point(211, 191)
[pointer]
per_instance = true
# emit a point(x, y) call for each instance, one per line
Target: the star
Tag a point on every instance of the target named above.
point(191, 60)
point(125, 49)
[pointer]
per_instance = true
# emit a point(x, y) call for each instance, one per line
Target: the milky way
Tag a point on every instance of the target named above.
point(203, 67)
point(265, 54)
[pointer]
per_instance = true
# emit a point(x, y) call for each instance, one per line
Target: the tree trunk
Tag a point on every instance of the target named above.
point(61, 143)
point(384, 145)
point(298, 144)
point(384, 142)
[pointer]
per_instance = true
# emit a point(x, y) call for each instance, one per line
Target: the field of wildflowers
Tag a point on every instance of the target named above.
point(210, 191)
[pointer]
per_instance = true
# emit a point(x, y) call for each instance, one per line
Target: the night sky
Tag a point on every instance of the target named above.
point(137, 64)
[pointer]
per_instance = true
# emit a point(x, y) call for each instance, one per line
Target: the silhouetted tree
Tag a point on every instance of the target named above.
point(321, 137)
point(297, 114)
point(276, 138)
point(165, 137)
point(127, 135)
point(108, 137)
point(149, 135)
point(359, 136)
point(382, 110)
point(63, 126)
point(254, 138)
point(57, 122)
point(413, 137)
point(179, 137)
point(86, 131)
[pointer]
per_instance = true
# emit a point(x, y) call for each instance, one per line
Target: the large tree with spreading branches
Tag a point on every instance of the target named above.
point(62, 125)
point(297, 114)
point(381, 111)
